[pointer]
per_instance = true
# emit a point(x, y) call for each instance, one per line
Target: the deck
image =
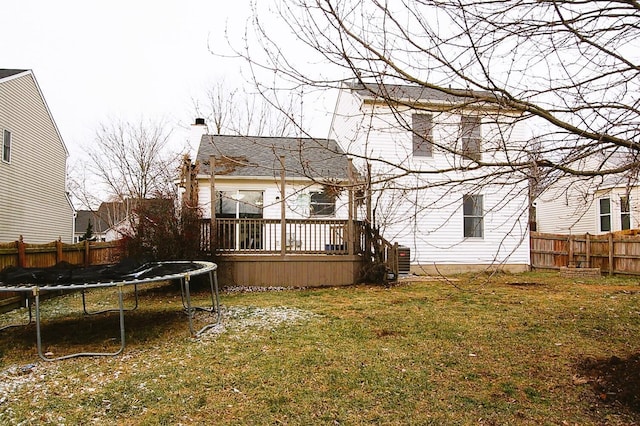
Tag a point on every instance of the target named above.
point(316, 252)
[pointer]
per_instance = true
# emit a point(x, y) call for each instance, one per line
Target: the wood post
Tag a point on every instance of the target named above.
point(59, 250)
point(610, 253)
point(87, 253)
point(572, 263)
point(350, 237)
point(213, 229)
point(22, 255)
point(283, 209)
point(588, 249)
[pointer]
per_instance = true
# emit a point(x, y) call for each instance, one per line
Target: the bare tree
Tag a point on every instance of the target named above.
point(569, 69)
point(131, 161)
point(235, 111)
point(570, 66)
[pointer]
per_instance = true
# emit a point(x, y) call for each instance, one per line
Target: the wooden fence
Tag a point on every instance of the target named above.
point(24, 255)
point(614, 253)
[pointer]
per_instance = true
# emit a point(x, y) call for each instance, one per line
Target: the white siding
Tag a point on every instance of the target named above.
point(34, 203)
point(430, 222)
point(570, 206)
point(271, 196)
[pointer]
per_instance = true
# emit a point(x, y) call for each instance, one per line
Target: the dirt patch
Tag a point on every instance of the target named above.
point(614, 379)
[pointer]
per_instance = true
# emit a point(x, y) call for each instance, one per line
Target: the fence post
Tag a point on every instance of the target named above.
point(611, 253)
point(59, 250)
point(588, 249)
point(22, 255)
point(87, 254)
point(572, 263)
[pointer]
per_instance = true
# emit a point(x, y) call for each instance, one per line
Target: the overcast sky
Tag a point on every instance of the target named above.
point(125, 59)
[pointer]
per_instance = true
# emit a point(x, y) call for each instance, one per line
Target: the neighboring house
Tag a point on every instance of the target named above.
point(98, 226)
point(34, 203)
point(112, 221)
point(248, 176)
point(594, 205)
point(451, 223)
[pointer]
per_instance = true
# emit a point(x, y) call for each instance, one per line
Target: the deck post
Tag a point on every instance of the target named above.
point(213, 230)
point(351, 238)
point(283, 210)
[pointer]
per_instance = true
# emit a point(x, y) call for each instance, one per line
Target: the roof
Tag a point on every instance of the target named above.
point(107, 215)
point(82, 222)
point(258, 156)
point(416, 93)
point(4, 73)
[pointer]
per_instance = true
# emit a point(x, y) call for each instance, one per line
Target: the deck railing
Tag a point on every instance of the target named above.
point(264, 236)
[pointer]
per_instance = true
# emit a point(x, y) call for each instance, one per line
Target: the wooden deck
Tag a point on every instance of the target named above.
point(317, 252)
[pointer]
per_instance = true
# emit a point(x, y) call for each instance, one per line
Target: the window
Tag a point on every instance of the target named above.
point(473, 221)
point(605, 215)
point(470, 136)
point(6, 146)
point(239, 204)
point(421, 125)
point(322, 204)
point(625, 213)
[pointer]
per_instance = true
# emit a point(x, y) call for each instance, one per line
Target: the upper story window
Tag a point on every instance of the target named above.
point(421, 127)
point(6, 146)
point(473, 216)
point(625, 213)
point(470, 136)
point(322, 204)
point(605, 215)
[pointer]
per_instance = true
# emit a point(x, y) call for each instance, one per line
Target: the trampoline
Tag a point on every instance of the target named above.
point(33, 282)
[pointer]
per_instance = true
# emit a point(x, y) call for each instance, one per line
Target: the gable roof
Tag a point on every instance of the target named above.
point(7, 74)
point(4, 73)
point(416, 93)
point(258, 156)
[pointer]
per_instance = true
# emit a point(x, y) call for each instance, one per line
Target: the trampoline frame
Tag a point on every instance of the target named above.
point(209, 268)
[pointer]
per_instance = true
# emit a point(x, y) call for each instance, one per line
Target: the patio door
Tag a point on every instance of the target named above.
point(241, 234)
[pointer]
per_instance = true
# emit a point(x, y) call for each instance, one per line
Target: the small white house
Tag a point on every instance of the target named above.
point(34, 203)
point(420, 146)
point(249, 172)
point(594, 205)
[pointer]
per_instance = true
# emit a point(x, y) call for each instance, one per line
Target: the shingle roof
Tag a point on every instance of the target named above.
point(259, 156)
point(415, 93)
point(4, 73)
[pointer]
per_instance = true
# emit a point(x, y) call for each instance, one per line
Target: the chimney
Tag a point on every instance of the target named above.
point(198, 129)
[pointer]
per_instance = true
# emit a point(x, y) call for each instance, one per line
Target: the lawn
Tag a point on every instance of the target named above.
point(481, 350)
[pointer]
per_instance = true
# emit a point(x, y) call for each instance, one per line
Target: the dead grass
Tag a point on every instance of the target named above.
point(491, 349)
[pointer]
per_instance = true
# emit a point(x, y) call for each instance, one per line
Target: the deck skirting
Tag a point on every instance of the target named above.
point(288, 271)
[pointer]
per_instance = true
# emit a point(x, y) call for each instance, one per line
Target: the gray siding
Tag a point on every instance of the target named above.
point(34, 202)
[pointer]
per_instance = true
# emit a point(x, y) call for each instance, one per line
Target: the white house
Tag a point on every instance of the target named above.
point(34, 201)
point(249, 171)
point(421, 147)
point(594, 205)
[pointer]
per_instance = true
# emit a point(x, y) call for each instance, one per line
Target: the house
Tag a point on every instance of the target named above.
point(419, 146)
point(278, 208)
point(588, 204)
point(34, 201)
point(106, 222)
point(249, 172)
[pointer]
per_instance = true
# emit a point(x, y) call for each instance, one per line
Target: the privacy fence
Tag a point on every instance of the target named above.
point(25, 255)
point(614, 253)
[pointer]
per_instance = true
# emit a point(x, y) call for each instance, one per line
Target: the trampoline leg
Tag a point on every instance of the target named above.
point(215, 303)
point(23, 324)
point(79, 354)
point(84, 304)
point(185, 282)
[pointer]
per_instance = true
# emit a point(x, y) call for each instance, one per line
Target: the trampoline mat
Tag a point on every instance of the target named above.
point(66, 274)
